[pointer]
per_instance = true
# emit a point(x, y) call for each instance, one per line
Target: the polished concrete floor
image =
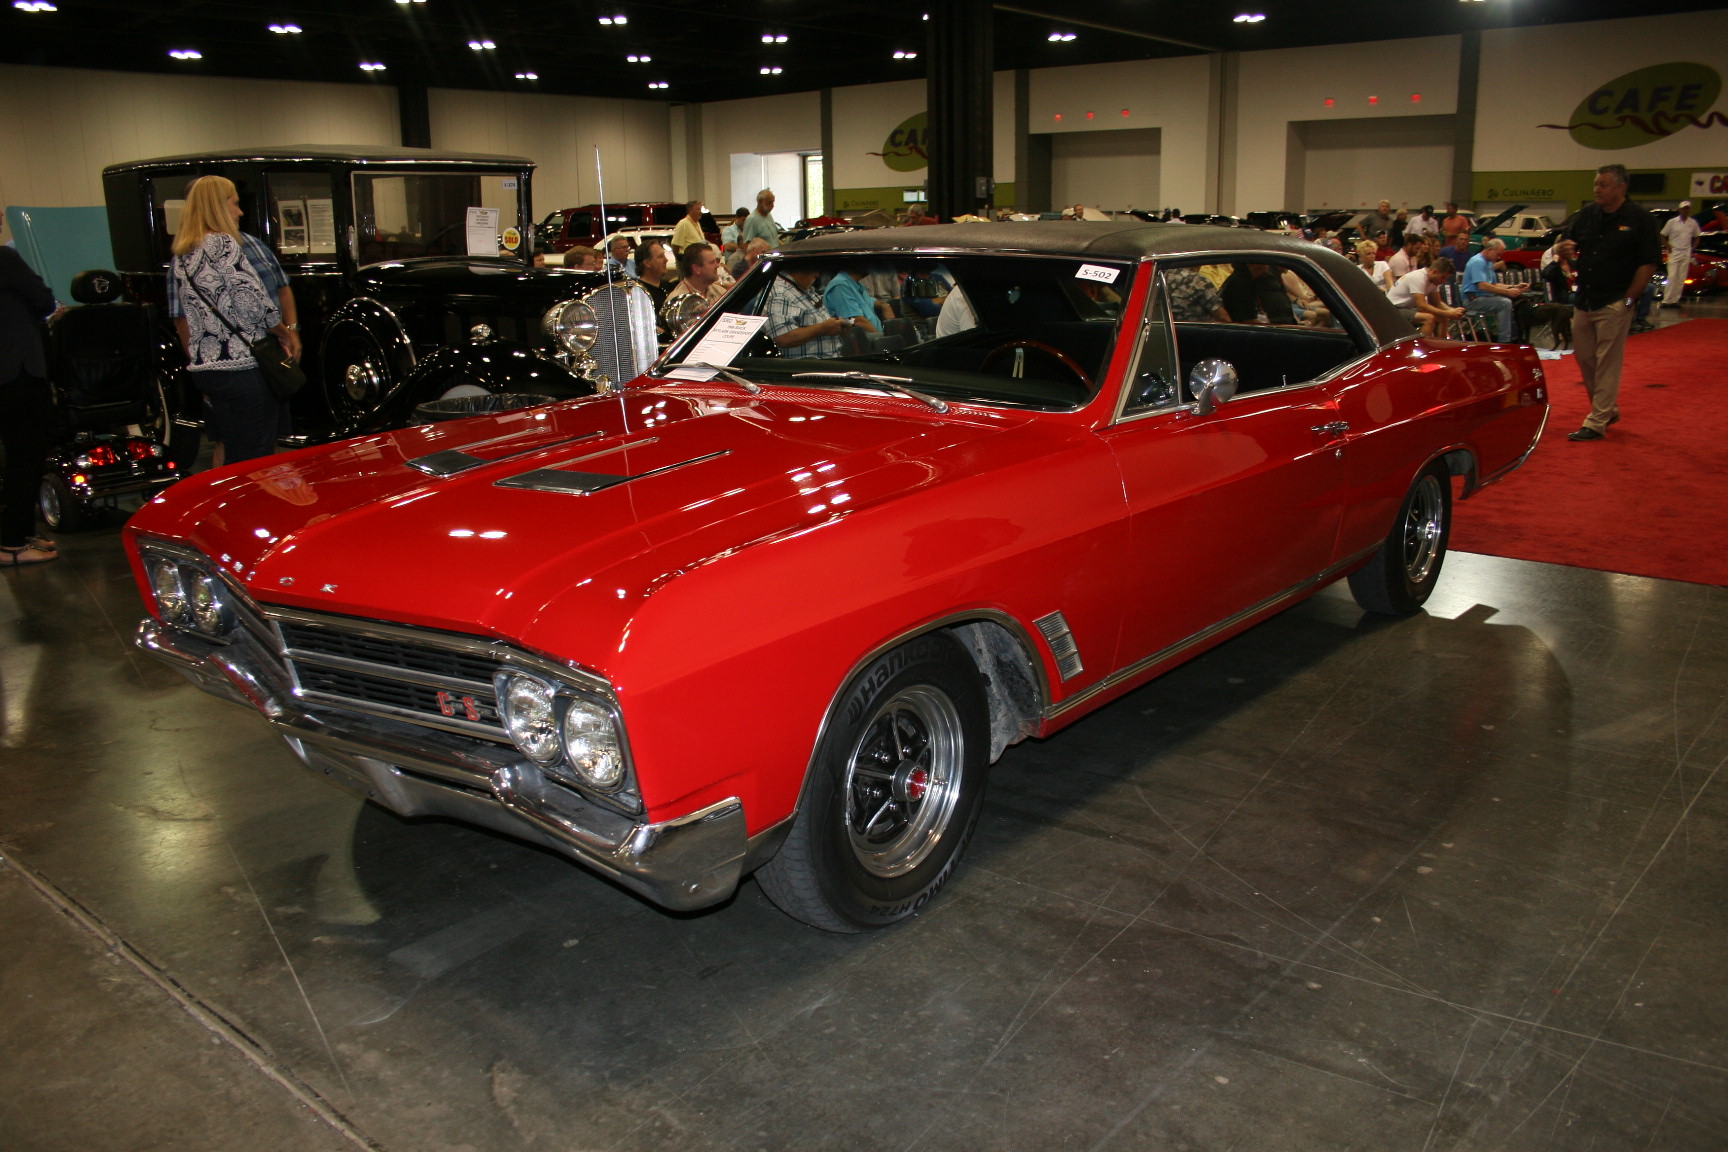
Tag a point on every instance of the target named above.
point(1450, 882)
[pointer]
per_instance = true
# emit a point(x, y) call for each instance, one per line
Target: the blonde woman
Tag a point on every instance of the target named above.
point(1365, 258)
point(221, 303)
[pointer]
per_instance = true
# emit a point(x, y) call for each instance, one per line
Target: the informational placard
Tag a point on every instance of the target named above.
point(291, 235)
point(321, 226)
point(1708, 186)
point(1097, 272)
point(719, 346)
point(483, 231)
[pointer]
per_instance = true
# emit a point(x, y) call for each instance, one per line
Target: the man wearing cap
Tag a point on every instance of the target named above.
point(1677, 236)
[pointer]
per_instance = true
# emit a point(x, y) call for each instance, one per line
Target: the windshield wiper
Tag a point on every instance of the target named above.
point(900, 384)
point(749, 386)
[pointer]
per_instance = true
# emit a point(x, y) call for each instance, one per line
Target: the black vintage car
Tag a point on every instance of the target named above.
point(405, 293)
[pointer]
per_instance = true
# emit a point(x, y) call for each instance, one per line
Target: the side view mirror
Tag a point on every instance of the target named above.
point(1211, 382)
point(682, 312)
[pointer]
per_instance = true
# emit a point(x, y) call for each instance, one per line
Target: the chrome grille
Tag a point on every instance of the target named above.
point(369, 669)
point(626, 343)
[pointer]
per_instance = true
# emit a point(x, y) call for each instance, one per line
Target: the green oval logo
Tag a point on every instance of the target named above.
point(906, 148)
point(1646, 105)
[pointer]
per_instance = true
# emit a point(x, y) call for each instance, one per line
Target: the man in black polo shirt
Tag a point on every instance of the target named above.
point(1618, 250)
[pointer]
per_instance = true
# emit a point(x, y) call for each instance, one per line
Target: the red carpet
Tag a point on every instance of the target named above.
point(1647, 501)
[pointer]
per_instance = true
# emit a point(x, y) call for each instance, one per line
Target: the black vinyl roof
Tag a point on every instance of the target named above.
point(1119, 240)
point(330, 153)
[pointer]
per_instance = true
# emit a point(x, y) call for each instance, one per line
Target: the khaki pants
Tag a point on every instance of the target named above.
point(1599, 342)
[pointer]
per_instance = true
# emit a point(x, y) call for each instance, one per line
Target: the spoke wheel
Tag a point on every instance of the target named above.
point(1403, 572)
point(892, 795)
point(903, 781)
point(358, 373)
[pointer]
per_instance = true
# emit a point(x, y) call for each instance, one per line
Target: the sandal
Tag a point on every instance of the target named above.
point(28, 554)
point(41, 545)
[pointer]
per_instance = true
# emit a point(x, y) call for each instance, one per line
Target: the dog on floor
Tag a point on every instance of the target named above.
point(1534, 314)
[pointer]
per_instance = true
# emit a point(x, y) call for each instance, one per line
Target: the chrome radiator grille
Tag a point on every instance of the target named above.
point(441, 683)
point(626, 343)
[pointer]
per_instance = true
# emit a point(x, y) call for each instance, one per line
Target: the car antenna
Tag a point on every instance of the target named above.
point(605, 224)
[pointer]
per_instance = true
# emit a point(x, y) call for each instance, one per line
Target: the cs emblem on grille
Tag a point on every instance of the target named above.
point(450, 704)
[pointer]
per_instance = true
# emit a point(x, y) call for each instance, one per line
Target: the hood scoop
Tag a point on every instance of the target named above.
point(588, 483)
point(455, 461)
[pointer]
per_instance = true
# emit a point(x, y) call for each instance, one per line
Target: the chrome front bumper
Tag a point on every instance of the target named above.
point(691, 862)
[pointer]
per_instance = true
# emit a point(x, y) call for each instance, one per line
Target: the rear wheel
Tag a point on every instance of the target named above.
point(58, 507)
point(894, 792)
point(1405, 569)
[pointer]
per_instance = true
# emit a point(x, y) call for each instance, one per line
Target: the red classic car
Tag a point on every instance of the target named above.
point(777, 605)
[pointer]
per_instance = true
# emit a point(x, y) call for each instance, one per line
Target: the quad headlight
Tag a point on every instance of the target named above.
point(572, 325)
point(189, 597)
point(571, 735)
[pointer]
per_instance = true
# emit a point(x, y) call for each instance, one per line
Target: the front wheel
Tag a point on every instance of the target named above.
point(1405, 569)
point(894, 792)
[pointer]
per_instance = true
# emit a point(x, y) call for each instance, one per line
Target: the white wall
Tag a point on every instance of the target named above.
point(1293, 84)
point(1358, 163)
point(1536, 76)
point(59, 127)
point(1108, 170)
point(560, 133)
point(1171, 95)
point(864, 115)
point(790, 123)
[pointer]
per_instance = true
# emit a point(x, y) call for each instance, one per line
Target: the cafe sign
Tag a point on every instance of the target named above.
point(907, 147)
point(1647, 105)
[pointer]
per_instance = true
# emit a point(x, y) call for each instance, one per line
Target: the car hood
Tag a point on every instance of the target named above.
point(1484, 227)
point(481, 525)
point(447, 277)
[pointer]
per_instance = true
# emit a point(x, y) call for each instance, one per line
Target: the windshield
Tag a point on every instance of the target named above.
point(1026, 331)
point(428, 215)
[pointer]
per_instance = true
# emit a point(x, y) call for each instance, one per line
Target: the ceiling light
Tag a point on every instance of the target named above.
point(658, 84)
point(611, 20)
point(34, 6)
point(1060, 37)
point(773, 38)
point(639, 59)
point(481, 45)
point(186, 54)
point(769, 71)
point(1250, 17)
point(410, 1)
point(285, 29)
point(898, 55)
point(371, 66)
point(527, 75)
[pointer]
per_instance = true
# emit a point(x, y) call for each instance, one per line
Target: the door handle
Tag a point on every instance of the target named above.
point(1335, 428)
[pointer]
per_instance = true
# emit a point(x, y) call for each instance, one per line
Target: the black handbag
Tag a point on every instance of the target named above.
point(284, 376)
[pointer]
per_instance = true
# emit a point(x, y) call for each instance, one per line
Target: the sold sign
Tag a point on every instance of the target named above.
point(1646, 105)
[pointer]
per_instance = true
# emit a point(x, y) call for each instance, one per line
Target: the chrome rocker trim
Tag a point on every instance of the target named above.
point(689, 862)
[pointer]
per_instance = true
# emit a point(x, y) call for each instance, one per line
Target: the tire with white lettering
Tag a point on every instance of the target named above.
point(893, 795)
point(1404, 571)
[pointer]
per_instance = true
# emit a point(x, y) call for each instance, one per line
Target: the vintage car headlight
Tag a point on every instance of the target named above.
point(531, 717)
point(189, 597)
point(591, 744)
point(204, 596)
point(572, 735)
point(572, 325)
point(170, 592)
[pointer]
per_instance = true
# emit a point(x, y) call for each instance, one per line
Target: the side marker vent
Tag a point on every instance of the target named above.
point(1062, 646)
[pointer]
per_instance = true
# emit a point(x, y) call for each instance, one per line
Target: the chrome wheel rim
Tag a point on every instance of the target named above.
point(49, 503)
point(903, 781)
point(363, 381)
point(1424, 527)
